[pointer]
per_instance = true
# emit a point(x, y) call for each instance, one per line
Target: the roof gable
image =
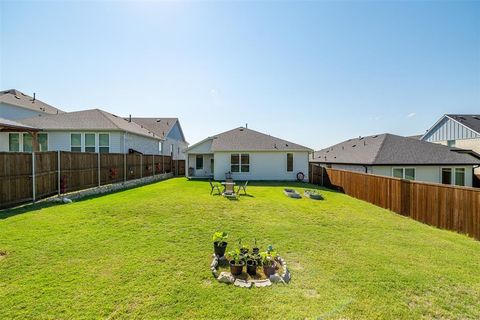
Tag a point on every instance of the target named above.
point(19, 99)
point(454, 127)
point(160, 126)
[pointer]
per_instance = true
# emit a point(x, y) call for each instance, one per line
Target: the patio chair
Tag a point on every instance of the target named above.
point(214, 186)
point(244, 188)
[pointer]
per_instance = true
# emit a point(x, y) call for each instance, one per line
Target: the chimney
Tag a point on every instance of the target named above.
point(130, 118)
point(33, 101)
point(246, 125)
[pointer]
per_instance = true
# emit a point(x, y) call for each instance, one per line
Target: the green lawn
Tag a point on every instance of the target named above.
point(146, 252)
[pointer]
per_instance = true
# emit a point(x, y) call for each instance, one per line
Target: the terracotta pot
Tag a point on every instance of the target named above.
point(252, 267)
point(219, 248)
point(236, 269)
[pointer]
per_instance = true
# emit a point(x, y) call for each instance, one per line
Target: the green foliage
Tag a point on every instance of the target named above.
point(235, 255)
point(268, 258)
point(220, 237)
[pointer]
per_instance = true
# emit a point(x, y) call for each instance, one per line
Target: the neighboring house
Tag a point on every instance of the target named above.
point(168, 129)
point(394, 156)
point(247, 155)
point(83, 131)
point(456, 130)
point(15, 105)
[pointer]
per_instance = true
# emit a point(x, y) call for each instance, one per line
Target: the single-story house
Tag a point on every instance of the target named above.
point(395, 156)
point(15, 105)
point(170, 131)
point(247, 155)
point(83, 131)
point(456, 130)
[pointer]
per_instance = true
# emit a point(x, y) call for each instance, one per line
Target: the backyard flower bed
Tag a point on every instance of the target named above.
point(246, 268)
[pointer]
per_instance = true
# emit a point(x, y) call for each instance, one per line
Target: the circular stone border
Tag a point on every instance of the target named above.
point(227, 277)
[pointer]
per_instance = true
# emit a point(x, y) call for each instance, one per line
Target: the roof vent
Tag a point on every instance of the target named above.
point(158, 120)
point(286, 144)
point(374, 136)
point(354, 146)
point(360, 138)
point(241, 129)
point(17, 97)
point(476, 117)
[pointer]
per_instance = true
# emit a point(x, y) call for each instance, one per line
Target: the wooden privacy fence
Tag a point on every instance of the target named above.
point(444, 206)
point(26, 177)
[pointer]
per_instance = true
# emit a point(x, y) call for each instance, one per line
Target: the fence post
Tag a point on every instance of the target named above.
point(33, 176)
point(141, 166)
point(98, 162)
point(58, 171)
point(153, 164)
point(163, 165)
point(124, 167)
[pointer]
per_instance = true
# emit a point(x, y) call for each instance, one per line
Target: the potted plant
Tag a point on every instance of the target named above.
point(268, 262)
point(220, 243)
point(243, 247)
point(255, 249)
point(251, 264)
point(236, 262)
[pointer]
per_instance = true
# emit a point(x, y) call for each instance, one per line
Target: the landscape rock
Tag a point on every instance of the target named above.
point(226, 277)
point(262, 283)
point(276, 278)
point(286, 276)
point(242, 283)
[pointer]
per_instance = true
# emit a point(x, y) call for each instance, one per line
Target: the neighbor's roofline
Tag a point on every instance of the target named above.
point(447, 116)
point(395, 164)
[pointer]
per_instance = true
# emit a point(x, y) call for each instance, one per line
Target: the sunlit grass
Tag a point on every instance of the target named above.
point(146, 252)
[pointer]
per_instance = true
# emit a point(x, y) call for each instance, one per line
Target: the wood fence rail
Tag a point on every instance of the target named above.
point(444, 206)
point(26, 177)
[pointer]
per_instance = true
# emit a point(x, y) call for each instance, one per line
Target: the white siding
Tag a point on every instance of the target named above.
point(141, 144)
point(425, 173)
point(8, 111)
point(263, 166)
point(448, 129)
point(60, 140)
point(179, 147)
point(206, 171)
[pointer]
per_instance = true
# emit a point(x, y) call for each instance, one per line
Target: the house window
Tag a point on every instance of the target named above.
point(235, 163)
point(451, 143)
point(289, 162)
point(240, 162)
point(103, 142)
point(14, 142)
point(42, 142)
point(90, 142)
point(160, 147)
point(459, 176)
point(27, 142)
point(245, 161)
point(447, 175)
point(199, 162)
point(404, 173)
point(171, 149)
point(76, 142)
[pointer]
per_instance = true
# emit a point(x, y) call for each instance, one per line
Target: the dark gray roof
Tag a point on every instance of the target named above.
point(6, 124)
point(471, 121)
point(160, 126)
point(243, 139)
point(19, 99)
point(94, 119)
point(389, 149)
point(416, 137)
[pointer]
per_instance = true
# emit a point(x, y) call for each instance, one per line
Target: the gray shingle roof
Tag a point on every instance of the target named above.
point(6, 124)
point(19, 99)
point(160, 126)
point(243, 139)
point(94, 119)
point(389, 149)
point(471, 121)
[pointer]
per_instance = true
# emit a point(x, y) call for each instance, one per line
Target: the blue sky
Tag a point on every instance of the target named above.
point(315, 73)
